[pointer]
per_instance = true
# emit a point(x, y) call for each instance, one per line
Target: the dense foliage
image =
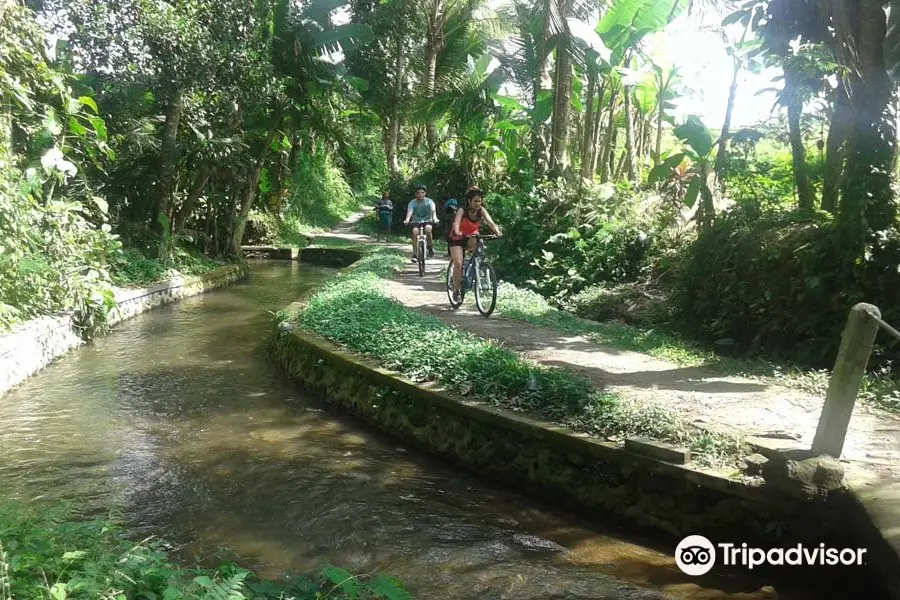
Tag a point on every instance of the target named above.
point(191, 118)
point(205, 125)
point(47, 553)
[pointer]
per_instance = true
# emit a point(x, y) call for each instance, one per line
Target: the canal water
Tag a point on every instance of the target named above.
point(179, 424)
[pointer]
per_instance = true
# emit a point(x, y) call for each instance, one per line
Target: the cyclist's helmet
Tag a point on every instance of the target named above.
point(451, 205)
point(420, 186)
point(474, 191)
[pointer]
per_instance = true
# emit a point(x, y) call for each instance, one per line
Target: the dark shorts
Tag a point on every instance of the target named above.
point(458, 243)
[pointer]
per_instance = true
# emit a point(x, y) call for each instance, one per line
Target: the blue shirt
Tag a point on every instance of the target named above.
point(421, 211)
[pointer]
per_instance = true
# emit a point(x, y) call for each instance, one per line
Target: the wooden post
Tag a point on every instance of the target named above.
point(849, 369)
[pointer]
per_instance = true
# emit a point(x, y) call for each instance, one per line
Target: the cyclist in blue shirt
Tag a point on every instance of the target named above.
point(422, 212)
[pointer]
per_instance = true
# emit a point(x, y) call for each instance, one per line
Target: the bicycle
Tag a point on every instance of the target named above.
point(477, 273)
point(421, 245)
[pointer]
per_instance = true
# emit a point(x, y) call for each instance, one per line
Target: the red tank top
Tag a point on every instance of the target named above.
point(468, 226)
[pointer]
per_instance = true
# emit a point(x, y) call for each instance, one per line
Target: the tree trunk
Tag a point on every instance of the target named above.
point(432, 48)
point(798, 151)
point(660, 113)
point(629, 136)
point(867, 200)
point(620, 165)
point(609, 145)
point(252, 183)
point(835, 150)
point(539, 158)
point(647, 133)
point(707, 209)
point(596, 127)
point(391, 141)
point(6, 122)
point(587, 136)
point(562, 93)
point(722, 153)
point(168, 158)
point(190, 203)
point(596, 137)
point(392, 135)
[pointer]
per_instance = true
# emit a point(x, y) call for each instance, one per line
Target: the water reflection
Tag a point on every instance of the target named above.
point(179, 423)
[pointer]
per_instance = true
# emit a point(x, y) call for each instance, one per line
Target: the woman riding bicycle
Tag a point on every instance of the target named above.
point(467, 223)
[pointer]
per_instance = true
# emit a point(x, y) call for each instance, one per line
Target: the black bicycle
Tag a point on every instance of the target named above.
point(421, 244)
point(478, 274)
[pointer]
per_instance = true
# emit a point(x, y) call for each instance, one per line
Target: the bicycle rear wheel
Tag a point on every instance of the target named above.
point(450, 270)
point(485, 288)
point(420, 254)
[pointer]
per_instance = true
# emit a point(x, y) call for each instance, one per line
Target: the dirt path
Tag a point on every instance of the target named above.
point(783, 417)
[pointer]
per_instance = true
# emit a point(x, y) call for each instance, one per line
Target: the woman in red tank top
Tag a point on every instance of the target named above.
point(468, 222)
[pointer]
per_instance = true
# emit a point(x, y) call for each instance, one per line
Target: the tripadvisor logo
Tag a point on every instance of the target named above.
point(695, 555)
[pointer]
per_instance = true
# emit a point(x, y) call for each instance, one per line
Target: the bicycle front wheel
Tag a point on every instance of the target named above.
point(485, 288)
point(450, 270)
point(420, 251)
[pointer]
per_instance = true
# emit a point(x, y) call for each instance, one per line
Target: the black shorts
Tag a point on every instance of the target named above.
point(458, 243)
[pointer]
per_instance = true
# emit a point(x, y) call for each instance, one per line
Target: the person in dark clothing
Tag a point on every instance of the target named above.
point(450, 208)
point(384, 210)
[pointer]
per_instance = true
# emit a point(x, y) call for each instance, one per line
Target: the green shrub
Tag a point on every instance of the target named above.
point(262, 229)
point(777, 285)
point(320, 195)
point(48, 553)
point(133, 267)
point(561, 241)
point(630, 302)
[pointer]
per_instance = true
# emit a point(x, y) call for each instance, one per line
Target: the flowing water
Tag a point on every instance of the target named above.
point(178, 422)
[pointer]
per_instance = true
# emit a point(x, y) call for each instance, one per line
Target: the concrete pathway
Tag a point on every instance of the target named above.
point(773, 415)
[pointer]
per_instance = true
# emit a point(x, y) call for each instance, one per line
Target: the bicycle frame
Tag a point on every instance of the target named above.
point(468, 274)
point(421, 244)
point(476, 269)
point(468, 267)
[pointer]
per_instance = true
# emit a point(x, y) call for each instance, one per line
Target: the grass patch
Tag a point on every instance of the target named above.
point(134, 268)
point(354, 311)
point(879, 388)
point(45, 552)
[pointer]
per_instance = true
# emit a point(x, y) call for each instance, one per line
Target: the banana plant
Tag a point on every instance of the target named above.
point(699, 148)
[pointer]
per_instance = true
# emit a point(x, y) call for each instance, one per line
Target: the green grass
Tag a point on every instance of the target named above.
point(133, 268)
point(354, 311)
point(47, 552)
point(879, 389)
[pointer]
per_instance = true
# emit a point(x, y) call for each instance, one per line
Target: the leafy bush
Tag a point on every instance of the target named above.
point(262, 229)
point(561, 242)
point(133, 267)
point(630, 302)
point(766, 181)
point(320, 194)
point(364, 162)
point(54, 239)
point(779, 284)
point(48, 553)
point(520, 218)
